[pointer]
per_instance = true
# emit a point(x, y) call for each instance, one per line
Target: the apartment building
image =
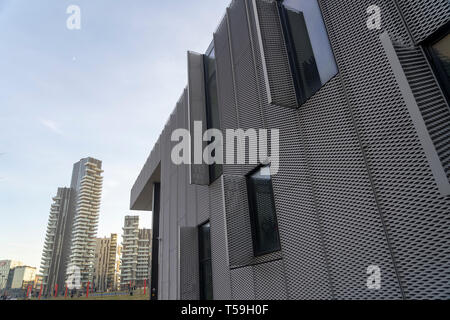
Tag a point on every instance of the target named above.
point(129, 251)
point(87, 182)
point(6, 268)
point(143, 257)
point(359, 206)
point(106, 254)
point(135, 263)
point(55, 255)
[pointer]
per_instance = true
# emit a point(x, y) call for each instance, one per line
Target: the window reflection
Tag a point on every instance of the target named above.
point(309, 48)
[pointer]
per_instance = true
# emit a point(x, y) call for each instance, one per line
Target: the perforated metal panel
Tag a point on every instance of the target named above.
point(354, 187)
point(199, 173)
point(274, 61)
point(424, 17)
point(270, 283)
point(243, 284)
point(353, 232)
point(189, 278)
point(407, 196)
point(432, 104)
point(304, 256)
point(219, 246)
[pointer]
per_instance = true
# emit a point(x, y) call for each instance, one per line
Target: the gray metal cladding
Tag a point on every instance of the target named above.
point(246, 89)
point(280, 87)
point(219, 247)
point(242, 284)
point(415, 214)
point(353, 233)
point(229, 117)
point(354, 187)
point(197, 113)
point(270, 283)
point(306, 270)
point(432, 104)
point(189, 276)
point(424, 17)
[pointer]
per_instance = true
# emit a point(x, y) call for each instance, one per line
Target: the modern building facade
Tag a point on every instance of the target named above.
point(55, 255)
point(359, 206)
point(136, 245)
point(87, 182)
point(106, 256)
point(22, 277)
point(6, 268)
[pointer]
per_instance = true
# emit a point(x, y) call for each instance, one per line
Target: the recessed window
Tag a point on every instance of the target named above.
point(212, 105)
point(310, 55)
point(439, 53)
point(206, 288)
point(262, 212)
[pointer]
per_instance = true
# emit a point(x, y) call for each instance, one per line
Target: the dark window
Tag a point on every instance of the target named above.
point(309, 48)
point(262, 212)
point(212, 105)
point(206, 288)
point(438, 50)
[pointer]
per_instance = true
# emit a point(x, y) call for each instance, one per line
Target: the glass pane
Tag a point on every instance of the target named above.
point(265, 224)
point(442, 52)
point(315, 63)
point(206, 289)
point(205, 240)
point(207, 281)
point(212, 106)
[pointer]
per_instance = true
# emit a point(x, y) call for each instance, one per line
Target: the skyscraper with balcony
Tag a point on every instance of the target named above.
point(129, 252)
point(55, 255)
point(136, 253)
point(87, 184)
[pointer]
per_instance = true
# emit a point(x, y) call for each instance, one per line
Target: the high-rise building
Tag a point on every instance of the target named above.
point(106, 253)
point(112, 272)
point(135, 253)
point(129, 252)
point(143, 257)
point(5, 267)
point(87, 187)
point(356, 201)
point(72, 227)
point(56, 251)
point(102, 247)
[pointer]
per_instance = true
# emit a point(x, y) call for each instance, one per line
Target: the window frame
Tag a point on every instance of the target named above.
point(209, 117)
point(202, 261)
point(258, 252)
point(292, 57)
point(435, 62)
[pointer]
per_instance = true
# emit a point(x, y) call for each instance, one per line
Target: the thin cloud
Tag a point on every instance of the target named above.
point(53, 126)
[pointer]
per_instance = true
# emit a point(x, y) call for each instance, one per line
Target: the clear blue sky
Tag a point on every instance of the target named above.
point(104, 91)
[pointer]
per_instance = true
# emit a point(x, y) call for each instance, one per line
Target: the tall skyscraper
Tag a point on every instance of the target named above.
point(72, 227)
point(136, 254)
point(87, 187)
point(57, 241)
